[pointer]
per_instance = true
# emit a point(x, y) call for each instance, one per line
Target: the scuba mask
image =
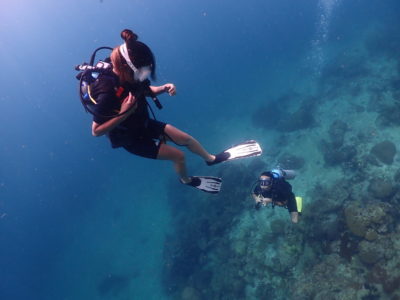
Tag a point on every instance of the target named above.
point(265, 182)
point(140, 74)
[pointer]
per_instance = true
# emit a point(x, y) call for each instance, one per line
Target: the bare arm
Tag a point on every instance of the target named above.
point(127, 105)
point(168, 87)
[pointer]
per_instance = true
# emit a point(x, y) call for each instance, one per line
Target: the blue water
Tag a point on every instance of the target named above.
point(79, 220)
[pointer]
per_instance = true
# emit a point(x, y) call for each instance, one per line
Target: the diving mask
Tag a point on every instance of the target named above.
point(265, 182)
point(140, 74)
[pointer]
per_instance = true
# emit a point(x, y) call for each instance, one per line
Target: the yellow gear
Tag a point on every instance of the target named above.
point(299, 203)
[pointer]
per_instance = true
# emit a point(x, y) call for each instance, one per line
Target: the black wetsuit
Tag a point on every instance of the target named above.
point(138, 134)
point(280, 193)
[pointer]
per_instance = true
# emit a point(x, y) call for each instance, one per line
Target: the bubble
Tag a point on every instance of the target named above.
point(326, 8)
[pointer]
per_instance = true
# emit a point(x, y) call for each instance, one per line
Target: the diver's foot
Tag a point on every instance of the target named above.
point(192, 181)
point(246, 149)
point(219, 158)
point(207, 184)
point(210, 159)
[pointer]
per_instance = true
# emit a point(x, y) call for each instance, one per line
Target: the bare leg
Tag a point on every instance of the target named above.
point(168, 152)
point(191, 143)
point(294, 216)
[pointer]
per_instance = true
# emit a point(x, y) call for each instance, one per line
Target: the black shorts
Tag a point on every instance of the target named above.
point(146, 142)
point(292, 205)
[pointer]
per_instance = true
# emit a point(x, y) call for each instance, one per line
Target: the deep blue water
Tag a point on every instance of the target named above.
point(59, 186)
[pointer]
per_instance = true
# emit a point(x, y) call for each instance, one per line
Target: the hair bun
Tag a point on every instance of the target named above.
point(128, 35)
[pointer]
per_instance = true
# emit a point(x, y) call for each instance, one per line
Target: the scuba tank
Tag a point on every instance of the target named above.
point(286, 174)
point(88, 75)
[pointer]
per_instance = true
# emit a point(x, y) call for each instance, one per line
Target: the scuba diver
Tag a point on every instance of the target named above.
point(272, 188)
point(115, 93)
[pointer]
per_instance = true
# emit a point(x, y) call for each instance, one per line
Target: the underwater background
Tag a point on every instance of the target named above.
point(315, 82)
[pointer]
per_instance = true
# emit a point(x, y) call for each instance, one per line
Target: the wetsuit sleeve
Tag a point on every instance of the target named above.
point(257, 190)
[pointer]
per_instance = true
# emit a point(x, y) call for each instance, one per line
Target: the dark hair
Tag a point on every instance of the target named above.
point(268, 173)
point(139, 53)
point(128, 35)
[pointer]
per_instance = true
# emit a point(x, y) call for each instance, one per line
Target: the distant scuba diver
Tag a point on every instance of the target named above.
point(272, 188)
point(115, 91)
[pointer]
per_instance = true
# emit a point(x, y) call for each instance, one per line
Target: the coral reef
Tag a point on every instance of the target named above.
point(278, 114)
point(336, 156)
point(336, 280)
point(381, 188)
point(302, 118)
point(373, 216)
point(347, 243)
point(291, 162)
point(335, 151)
point(343, 74)
point(389, 115)
point(385, 151)
point(371, 252)
point(269, 116)
point(336, 131)
point(348, 247)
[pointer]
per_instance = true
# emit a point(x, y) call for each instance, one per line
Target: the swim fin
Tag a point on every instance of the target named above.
point(246, 149)
point(207, 184)
point(299, 203)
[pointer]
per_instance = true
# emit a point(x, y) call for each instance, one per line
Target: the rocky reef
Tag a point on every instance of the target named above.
point(347, 243)
point(279, 114)
point(346, 246)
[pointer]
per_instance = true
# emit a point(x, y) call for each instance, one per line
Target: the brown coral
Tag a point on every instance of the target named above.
point(385, 152)
point(355, 220)
point(370, 252)
point(372, 216)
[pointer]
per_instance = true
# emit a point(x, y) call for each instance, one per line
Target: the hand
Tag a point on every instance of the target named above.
point(258, 199)
point(263, 201)
point(266, 201)
point(128, 103)
point(170, 89)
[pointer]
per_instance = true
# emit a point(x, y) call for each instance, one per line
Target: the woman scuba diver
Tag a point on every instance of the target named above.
point(121, 113)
